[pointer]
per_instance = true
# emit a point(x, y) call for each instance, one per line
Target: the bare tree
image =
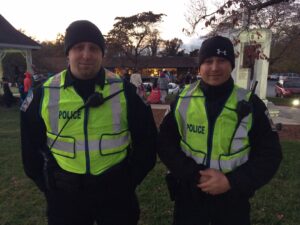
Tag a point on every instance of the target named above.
point(282, 17)
point(236, 14)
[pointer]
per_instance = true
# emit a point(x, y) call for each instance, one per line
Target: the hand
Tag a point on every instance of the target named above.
point(213, 182)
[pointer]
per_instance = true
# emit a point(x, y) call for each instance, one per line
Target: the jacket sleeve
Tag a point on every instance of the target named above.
point(33, 138)
point(181, 166)
point(265, 154)
point(142, 156)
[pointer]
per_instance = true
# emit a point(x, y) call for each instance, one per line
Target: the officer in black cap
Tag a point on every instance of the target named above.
point(88, 140)
point(218, 144)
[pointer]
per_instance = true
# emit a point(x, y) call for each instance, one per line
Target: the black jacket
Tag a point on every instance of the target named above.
point(141, 157)
point(265, 154)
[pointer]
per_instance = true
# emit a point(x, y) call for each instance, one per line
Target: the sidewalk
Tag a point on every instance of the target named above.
point(284, 114)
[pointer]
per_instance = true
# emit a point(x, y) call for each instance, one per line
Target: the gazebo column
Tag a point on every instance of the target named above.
point(28, 57)
point(2, 55)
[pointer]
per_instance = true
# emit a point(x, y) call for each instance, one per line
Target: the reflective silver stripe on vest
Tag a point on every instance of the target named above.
point(228, 165)
point(183, 108)
point(53, 107)
point(109, 144)
point(241, 94)
point(237, 143)
point(116, 106)
point(67, 147)
point(54, 97)
point(93, 145)
point(240, 135)
point(242, 131)
point(224, 165)
point(198, 160)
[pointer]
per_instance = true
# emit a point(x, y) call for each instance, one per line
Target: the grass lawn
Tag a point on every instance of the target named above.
point(22, 204)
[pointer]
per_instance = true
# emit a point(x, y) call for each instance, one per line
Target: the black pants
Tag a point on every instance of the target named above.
point(193, 207)
point(79, 200)
point(85, 209)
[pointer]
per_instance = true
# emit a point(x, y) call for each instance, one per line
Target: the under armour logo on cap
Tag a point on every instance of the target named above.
point(219, 52)
point(217, 46)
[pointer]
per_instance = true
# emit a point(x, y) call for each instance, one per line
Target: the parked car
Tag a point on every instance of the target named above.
point(173, 88)
point(285, 76)
point(287, 88)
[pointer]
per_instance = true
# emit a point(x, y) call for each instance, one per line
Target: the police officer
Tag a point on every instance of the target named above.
point(87, 139)
point(218, 144)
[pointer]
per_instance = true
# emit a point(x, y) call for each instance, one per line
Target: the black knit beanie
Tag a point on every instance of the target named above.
point(217, 46)
point(83, 31)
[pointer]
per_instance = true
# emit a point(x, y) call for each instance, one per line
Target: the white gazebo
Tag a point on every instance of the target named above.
point(11, 40)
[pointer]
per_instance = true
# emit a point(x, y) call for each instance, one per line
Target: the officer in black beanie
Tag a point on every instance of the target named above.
point(83, 31)
point(217, 46)
point(88, 140)
point(218, 144)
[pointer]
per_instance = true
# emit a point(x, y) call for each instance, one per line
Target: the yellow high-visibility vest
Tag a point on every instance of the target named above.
point(229, 142)
point(94, 139)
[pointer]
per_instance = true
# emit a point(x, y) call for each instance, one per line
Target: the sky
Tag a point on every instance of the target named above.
point(44, 19)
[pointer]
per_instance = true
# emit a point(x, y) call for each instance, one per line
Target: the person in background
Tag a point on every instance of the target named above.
point(27, 82)
point(8, 97)
point(20, 83)
point(125, 74)
point(218, 143)
point(163, 82)
point(154, 97)
point(180, 80)
point(136, 80)
point(188, 78)
point(88, 140)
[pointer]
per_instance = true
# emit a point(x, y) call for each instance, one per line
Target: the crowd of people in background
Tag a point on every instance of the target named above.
point(154, 92)
point(157, 90)
point(23, 82)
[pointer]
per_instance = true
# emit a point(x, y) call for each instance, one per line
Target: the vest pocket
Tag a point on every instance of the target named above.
point(63, 145)
point(230, 162)
point(114, 143)
point(198, 155)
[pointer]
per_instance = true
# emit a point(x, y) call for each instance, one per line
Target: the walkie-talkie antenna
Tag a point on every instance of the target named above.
point(253, 88)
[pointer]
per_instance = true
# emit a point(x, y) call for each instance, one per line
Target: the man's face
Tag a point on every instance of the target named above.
point(215, 70)
point(85, 59)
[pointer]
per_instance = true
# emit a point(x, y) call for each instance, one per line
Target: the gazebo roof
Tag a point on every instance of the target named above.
point(12, 38)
